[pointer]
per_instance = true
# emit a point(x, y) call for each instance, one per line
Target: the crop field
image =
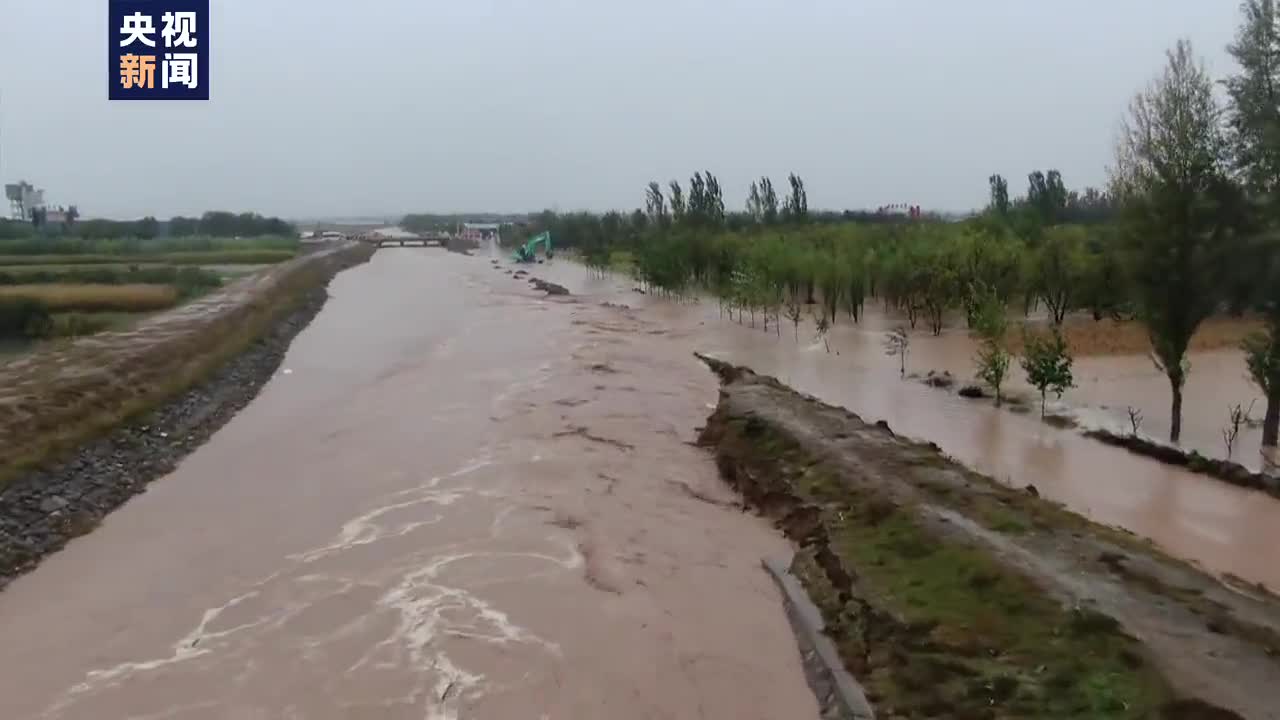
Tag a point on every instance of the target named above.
point(64, 297)
point(187, 257)
point(71, 287)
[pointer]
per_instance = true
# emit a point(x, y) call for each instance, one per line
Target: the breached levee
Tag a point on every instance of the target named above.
point(951, 595)
point(86, 425)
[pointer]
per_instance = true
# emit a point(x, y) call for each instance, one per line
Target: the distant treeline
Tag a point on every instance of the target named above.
point(212, 224)
point(1046, 198)
point(701, 207)
point(1046, 203)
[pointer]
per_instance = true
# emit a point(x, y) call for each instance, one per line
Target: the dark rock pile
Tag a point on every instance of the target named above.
point(942, 379)
point(549, 287)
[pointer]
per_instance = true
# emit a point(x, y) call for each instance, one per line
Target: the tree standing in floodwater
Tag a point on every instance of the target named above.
point(1047, 362)
point(1262, 354)
point(897, 343)
point(1254, 121)
point(990, 326)
point(1170, 177)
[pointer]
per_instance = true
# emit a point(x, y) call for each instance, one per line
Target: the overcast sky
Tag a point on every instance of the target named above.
point(337, 108)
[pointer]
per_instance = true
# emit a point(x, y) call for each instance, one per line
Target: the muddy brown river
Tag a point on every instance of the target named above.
point(461, 500)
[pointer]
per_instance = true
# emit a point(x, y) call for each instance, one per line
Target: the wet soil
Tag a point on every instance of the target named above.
point(1086, 336)
point(951, 595)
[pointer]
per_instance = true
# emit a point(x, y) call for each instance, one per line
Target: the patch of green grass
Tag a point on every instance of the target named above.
point(993, 621)
point(940, 627)
point(49, 304)
point(189, 281)
point(127, 247)
point(76, 324)
point(25, 269)
point(1006, 521)
point(228, 272)
point(228, 257)
point(193, 257)
point(621, 261)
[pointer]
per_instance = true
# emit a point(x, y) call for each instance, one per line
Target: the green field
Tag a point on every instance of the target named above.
point(134, 246)
point(70, 287)
point(188, 257)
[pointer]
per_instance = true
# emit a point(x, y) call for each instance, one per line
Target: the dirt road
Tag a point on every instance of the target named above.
point(456, 500)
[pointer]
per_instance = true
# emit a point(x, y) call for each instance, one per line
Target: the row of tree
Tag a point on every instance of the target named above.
point(925, 270)
point(227, 224)
point(1049, 202)
point(1198, 185)
point(704, 206)
point(1188, 227)
point(672, 209)
point(211, 224)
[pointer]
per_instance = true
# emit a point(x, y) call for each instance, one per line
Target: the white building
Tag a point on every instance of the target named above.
point(23, 199)
point(480, 232)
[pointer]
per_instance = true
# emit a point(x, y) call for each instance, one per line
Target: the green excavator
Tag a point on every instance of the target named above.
point(527, 253)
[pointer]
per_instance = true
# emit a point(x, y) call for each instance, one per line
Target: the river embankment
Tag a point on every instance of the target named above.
point(86, 425)
point(950, 594)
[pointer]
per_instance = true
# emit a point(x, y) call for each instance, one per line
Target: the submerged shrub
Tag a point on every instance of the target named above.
point(23, 317)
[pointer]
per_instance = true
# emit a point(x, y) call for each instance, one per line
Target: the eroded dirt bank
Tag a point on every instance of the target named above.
point(950, 595)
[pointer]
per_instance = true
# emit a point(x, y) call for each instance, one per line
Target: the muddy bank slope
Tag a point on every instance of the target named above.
point(85, 426)
point(950, 595)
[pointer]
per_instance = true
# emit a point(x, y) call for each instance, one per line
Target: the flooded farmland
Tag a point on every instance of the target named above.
point(1192, 516)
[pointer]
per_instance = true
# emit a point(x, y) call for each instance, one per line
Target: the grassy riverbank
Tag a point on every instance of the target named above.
point(58, 397)
point(950, 595)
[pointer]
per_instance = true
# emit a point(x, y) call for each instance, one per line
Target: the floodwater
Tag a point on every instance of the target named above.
point(1215, 525)
point(456, 500)
point(461, 500)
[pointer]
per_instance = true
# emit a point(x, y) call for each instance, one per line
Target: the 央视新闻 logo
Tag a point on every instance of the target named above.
point(158, 50)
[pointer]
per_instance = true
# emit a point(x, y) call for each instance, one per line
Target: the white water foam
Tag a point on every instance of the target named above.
point(426, 609)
